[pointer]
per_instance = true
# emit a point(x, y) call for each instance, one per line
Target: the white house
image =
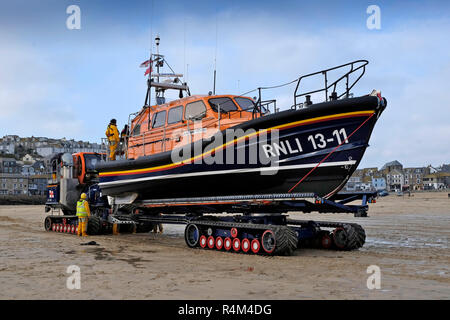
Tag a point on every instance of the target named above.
point(379, 183)
point(395, 180)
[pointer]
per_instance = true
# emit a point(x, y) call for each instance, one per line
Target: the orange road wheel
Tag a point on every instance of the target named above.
point(236, 244)
point(219, 243)
point(255, 245)
point(211, 242)
point(245, 245)
point(203, 241)
point(227, 243)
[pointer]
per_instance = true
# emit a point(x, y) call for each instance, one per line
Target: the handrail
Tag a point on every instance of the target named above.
point(353, 68)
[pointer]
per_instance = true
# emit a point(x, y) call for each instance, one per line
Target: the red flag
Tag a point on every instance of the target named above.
point(149, 69)
point(145, 64)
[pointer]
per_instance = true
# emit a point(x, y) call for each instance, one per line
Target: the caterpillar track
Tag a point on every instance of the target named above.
point(273, 239)
point(251, 231)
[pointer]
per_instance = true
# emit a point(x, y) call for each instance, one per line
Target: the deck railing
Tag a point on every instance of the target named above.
point(355, 66)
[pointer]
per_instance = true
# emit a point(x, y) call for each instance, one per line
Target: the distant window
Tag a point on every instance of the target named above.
point(175, 115)
point(159, 119)
point(245, 103)
point(225, 104)
point(195, 110)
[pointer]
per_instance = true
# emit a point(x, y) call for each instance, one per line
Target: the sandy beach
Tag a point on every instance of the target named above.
point(407, 237)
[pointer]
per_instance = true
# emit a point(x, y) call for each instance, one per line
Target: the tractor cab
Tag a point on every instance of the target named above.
point(72, 174)
point(84, 165)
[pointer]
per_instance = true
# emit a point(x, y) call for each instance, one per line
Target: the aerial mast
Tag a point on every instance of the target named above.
point(172, 82)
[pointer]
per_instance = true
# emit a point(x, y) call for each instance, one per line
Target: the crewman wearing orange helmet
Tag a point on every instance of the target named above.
point(113, 138)
point(83, 213)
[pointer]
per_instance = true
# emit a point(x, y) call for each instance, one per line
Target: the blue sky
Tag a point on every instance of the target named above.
point(58, 82)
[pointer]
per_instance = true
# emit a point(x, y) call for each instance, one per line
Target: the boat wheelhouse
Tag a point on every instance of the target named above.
point(161, 128)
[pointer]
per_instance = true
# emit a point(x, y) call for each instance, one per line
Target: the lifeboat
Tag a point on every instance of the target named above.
point(219, 145)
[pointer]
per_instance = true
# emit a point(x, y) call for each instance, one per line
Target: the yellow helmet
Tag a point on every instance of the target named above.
point(83, 196)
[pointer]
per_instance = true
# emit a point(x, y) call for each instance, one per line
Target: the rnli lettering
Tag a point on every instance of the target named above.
point(315, 141)
point(275, 149)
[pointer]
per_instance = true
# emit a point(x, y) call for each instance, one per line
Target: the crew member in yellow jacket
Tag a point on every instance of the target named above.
point(83, 213)
point(113, 137)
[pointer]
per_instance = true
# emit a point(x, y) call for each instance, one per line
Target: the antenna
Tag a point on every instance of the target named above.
point(184, 52)
point(215, 55)
point(149, 91)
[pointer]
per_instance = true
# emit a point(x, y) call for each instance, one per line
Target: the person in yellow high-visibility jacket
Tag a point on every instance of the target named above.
point(83, 213)
point(113, 138)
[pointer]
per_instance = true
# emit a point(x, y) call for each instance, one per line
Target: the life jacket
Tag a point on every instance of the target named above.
point(81, 209)
point(112, 133)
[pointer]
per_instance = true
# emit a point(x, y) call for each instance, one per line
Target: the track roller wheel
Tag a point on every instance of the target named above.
point(280, 240)
point(219, 243)
point(211, 242)
point(227, 243)
point(191, 235)
point(349, 237)
point(76, 229)
point(234, 232)
point(58, 228)
point(72, 229)
point(326, 241)
point(66, 228)
point(340, 238)
point(255, 245)
point(356, 236)
point(245, 244)
point(268, 241)
point(53, 227)
point(48, 224)
point(236, 244)
point(94, 225)
point(203, 241)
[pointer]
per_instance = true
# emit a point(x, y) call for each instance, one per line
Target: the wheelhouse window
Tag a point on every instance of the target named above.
point(245, 103)
point(195, 110)
point(159, 119)
point(137, 130)
point(226, 104)
point(175, 115)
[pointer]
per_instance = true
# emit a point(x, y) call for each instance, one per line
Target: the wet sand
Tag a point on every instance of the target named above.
point(407, 237)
